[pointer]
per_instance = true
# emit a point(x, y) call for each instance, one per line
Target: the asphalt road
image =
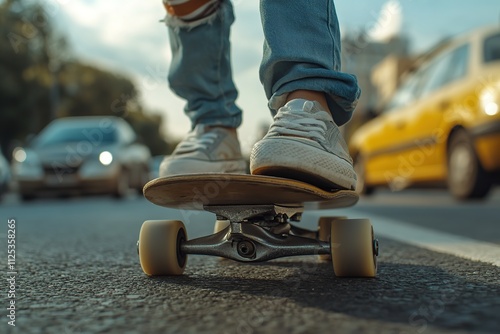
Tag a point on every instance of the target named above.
point(77, 271)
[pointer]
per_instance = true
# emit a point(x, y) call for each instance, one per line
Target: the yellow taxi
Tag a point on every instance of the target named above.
point(442, 126)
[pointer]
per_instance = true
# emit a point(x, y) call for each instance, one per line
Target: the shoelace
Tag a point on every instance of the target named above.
point(300, 123)
point(196, 141)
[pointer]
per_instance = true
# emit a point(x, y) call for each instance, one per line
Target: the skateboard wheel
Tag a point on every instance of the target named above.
point(159, 247)
point(324, 232)
point(220, 225)
point(352, 247)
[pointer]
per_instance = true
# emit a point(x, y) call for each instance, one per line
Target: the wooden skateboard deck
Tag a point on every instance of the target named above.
point(194, 191)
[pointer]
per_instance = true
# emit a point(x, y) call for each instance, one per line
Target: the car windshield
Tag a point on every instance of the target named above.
point(406, 94)
point(492, 48)
point(65, 133)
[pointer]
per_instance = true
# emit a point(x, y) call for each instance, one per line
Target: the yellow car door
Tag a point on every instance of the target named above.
point(386, 163)
point(427, 125)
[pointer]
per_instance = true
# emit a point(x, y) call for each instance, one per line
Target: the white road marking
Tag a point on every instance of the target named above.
point(438, 241)
point(427, 238)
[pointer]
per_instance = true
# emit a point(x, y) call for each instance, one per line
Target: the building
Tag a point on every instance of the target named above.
point(361, 57)
point(386, 77)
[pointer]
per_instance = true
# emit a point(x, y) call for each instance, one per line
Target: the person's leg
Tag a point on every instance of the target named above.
point(200, 72)
point(308, 95)
point(302, 52)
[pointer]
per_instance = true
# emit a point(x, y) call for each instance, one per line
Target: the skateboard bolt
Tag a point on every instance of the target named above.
point(246, 249)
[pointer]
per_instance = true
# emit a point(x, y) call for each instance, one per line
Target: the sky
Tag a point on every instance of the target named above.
point(125, 36)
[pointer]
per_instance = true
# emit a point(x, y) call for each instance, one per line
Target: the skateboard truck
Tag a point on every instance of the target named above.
point(253, 235)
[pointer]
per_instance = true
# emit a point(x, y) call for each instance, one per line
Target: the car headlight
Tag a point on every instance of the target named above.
point(490, 100)
point(105, 158)
point(19, 155)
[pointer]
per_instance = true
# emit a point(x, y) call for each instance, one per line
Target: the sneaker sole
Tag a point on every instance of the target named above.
point(293, 159)
point(193, 166)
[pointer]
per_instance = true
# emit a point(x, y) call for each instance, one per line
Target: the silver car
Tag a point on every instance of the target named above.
point(83, 154)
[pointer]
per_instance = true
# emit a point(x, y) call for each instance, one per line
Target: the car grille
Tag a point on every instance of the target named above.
point(60, 170)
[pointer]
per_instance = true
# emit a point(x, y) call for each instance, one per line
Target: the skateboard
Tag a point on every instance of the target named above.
point(256, 220)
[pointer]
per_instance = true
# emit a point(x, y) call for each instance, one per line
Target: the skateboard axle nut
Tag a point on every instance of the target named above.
point(246, 249)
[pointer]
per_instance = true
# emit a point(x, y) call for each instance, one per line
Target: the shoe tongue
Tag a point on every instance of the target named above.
point(304, 105)
point(199, 129)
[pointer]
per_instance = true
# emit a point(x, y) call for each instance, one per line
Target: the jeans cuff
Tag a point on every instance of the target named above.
point(175, 22)
point(230, 122)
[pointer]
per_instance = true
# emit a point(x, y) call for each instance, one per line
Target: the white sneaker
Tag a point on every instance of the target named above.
point(206, 150)
point(304, 144)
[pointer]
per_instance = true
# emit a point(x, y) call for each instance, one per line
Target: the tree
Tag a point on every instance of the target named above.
point(147, 127)
point(89, 91)
point(40, 82)
point(25, 101)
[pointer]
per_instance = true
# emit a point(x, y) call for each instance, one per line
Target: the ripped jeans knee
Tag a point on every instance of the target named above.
point(190, 13)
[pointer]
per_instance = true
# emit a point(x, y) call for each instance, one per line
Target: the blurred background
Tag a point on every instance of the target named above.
point(85, 108)
point(110, 59)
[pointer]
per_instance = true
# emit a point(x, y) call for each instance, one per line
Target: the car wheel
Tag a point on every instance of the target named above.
point(143, 179)
point(3, 190)
point(27, 197)
point(466, 177)
point(122, 185)
point(361, 187)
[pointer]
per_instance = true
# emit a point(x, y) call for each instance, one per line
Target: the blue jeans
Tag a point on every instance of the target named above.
point(301, 51)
